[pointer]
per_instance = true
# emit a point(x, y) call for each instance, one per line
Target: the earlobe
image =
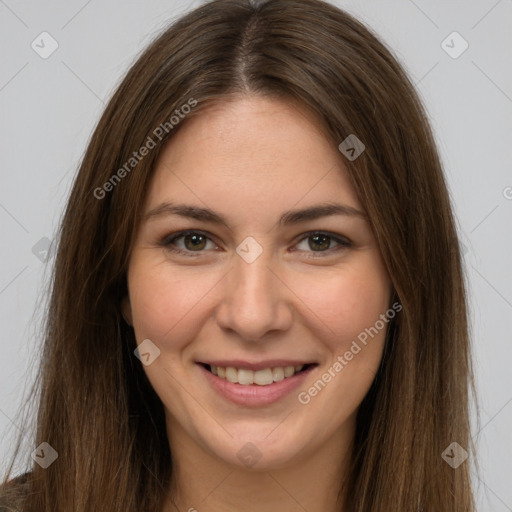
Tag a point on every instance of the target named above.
point(126, 310)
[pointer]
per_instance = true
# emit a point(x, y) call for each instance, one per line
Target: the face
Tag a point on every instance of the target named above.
point(256, 276)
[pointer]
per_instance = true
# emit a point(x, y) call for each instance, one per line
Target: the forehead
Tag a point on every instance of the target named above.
point(251, 151)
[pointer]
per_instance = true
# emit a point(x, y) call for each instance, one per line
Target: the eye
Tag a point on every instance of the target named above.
point(193, 243)
point(321, 242)
point(187, 242)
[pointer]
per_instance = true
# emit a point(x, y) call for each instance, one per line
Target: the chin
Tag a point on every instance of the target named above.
point(260, 449)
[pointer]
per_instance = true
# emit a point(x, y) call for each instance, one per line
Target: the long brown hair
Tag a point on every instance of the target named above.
point(95, 406)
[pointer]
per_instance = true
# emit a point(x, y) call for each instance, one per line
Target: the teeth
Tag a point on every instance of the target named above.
point(246, 377)
point(263, 377)
point(289, 371)
point(231, 375)
point(260, 377)
point(278, 374)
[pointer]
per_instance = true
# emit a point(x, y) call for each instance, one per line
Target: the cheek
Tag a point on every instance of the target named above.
point(346, 302)
point(164, 301)
point(350, 304)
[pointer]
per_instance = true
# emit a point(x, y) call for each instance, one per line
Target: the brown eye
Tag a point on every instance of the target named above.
point(319, 242)
point(194, 242)
point(189, 243)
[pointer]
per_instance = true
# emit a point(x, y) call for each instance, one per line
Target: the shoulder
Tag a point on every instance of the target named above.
point(13, 492)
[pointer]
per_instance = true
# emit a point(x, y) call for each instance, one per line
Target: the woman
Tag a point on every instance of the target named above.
point(258, 284)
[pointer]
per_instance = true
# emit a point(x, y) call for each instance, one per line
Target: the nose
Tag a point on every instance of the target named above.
point(255, 301)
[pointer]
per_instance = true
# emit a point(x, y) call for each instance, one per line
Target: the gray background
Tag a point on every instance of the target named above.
point(49, 107)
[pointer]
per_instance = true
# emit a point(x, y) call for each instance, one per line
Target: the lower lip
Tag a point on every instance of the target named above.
point(253, 394)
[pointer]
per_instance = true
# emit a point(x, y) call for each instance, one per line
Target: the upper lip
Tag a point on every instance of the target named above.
point(260, 365)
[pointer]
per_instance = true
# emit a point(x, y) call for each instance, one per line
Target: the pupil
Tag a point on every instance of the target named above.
point(197, 241)
point(316, 239)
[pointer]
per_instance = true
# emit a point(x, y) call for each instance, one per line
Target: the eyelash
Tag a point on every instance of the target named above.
point(168, 241)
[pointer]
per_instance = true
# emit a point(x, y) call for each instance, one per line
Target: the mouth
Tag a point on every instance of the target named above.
point(255, 385)
point(261, 377)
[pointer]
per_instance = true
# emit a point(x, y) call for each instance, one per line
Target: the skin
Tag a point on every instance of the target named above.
point(251, 159)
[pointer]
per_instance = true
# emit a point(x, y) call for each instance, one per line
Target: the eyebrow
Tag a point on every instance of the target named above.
point(288, 218)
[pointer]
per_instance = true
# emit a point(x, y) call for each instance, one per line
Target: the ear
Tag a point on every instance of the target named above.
point(126, 310)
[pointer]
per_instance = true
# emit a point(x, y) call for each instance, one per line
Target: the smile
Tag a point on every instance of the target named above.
point(263, 377)
point(255, 385)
